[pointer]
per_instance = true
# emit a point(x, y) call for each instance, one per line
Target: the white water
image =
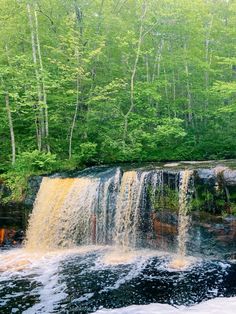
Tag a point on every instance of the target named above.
point(41, 267)
point(68, 210)
point(127, 213)
point(183, 220)
point(89, 210)
point(46, 269)
point(215, 306)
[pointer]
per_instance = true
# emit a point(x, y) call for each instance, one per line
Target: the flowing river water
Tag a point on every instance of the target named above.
point(84, 253)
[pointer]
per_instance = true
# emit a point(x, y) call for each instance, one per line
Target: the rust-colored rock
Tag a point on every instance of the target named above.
point(161, 228)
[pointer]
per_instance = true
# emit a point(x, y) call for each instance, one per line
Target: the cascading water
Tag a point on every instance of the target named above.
point(100, 210)
point(45, 221)
point(72, 211)
point(105, 213)
point(89, 210)
point(183, 220)
point(127, 213)
point(108, 207)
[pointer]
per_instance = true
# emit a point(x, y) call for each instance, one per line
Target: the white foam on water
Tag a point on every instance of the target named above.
point(215, 306)
point(43, 268)
point(119, 255)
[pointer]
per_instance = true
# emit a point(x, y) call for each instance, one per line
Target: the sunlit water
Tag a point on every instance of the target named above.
point(43, 278)
point(89, 279)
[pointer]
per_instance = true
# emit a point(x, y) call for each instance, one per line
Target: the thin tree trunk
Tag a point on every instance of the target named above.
point(166, 92)
point(157, 66)
point(45, 111)
point(147, 68)
point(157, 63)
point(132, 104)
point(10, 122)
point(76, 107)
point(208, 62)
point(189, 95)
point(74, 118)
point(9, 115)
point(100, 16)
point(39, 117)
point(174, 92)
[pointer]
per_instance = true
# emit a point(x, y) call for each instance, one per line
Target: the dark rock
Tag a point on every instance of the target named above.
point(230, 177)
point(32, 190)
point(206, 175)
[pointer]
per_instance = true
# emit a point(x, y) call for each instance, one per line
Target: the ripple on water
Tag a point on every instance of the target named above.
point(87, 279)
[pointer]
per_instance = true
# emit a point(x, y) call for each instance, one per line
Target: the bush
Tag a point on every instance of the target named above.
point(35, 161)
point(27, 164)
point(88, 152)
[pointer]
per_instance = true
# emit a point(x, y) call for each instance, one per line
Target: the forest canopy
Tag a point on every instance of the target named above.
point(107, 81)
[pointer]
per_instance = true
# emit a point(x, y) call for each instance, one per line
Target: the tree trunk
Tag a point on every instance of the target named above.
point(166, 91)
point(132, 104)
point(147, 68)
point(45, 126)
point(39, 114)
point(157, 63)
point(174, 92)
point(13, 144)
point(9, 115)
point(208, 62)
point(74, 118)
point(189, 95)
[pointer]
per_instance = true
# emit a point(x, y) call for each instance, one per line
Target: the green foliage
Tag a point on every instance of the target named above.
point(35, 161)
point(165, 199)
point(182, 74)
point(88, 152)
point(28, 163)
point(233, 209)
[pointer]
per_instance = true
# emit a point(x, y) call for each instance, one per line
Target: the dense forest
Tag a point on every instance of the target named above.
point(103, 81)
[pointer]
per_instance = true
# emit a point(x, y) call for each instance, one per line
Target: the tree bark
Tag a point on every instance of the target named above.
point(157, 63)
point(208, 63)
point(9, 115)
point(76, 106)
point(133, 74)
point(45, 126)
point(12, 134)
point(189, 95)
point(74, 119)
point(39, 113)
point(174, 92)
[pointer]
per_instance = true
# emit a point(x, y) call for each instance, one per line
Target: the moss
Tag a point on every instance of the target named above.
point(164, 198)
point(232, 209)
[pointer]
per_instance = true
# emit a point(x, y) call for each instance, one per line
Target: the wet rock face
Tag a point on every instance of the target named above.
point(230, 177)
point(208, 236)
point(32, 190)
point(210, 176)
point(212, 212)
point(212, 208)
point(11, 236)
point(14, 215)
point(13, 222)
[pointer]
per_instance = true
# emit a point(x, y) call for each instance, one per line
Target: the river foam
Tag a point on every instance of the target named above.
point(216, 306)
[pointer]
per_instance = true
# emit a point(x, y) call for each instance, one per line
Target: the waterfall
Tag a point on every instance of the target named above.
point(183, 220)
point(127, 214)
point(45, 219)
point(106, 208)
point(62, 213)
point(73, 211)
point(110, 207)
